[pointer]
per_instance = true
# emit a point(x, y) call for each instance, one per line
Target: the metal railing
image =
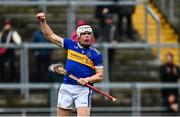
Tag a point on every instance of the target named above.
point(25, 47)
point(72, 5)
point(135, 108)
point(169, 8)
point(157, 21)
point(24, 64)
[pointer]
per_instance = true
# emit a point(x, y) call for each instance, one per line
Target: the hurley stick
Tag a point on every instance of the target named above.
point(59, 69)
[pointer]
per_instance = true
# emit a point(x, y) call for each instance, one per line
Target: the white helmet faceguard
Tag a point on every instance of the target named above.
point(83, 29)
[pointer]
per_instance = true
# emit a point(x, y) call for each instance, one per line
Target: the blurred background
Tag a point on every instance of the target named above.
point(139, 40)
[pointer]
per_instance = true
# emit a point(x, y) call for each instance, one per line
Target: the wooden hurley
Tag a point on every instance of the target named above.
point(59, 69)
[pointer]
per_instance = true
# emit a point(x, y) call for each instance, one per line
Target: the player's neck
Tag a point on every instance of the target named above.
point(83, 46)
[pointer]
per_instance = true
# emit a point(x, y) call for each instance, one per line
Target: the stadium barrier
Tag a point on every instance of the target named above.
point(71, 8)
point(25, 47)
point(135, 109)
point(25, 86)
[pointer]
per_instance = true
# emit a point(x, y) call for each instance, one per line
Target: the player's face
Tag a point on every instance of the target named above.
point(169, 58)
point(7, 27)
point(85, 39)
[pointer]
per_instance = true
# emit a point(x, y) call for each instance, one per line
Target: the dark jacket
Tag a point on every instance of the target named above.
point(169, 73)
point(38, 37)
point(124, 9)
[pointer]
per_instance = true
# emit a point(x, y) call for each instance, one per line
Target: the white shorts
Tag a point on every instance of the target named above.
point(74, 96)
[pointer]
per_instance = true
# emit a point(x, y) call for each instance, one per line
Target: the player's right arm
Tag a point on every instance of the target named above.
point(51, 36)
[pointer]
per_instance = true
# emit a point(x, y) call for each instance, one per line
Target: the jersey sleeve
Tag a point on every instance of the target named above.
point(98, 61)
point(66, 44)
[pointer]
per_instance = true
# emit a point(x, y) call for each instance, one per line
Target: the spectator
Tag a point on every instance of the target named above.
point(101, 13)
point(170, 73)
point(8, 35)
point(43, 57)
point(124, 14)
point(108, 33)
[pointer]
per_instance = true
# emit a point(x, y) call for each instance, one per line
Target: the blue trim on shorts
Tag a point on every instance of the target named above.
point(89, 97)
point(59, 89)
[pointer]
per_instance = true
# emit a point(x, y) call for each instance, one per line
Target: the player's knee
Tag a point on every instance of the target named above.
point(83, 111)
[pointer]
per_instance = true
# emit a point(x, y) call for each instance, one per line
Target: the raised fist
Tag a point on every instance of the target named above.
point(41, 16)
